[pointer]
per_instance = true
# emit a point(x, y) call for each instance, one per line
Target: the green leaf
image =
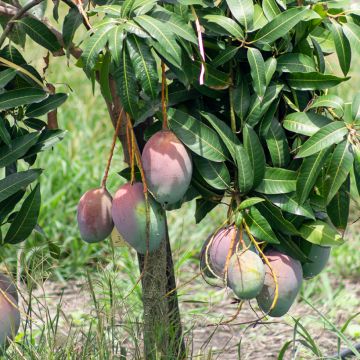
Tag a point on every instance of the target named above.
point(319, 55)
point(43, 107)
point(270, 68)
point(338, 170)
point(163, 34)
point(8, 205)
point(224, 56)
point(227, 136)
point(289, 247)
point(342, 47)
point(144, 65)
point(294, 62)
point(126, 8)
point(4, 134)
point(280, 25)
point(277, 181)
point(216, 174)
point(18, 97)
point(259, 227)
point(320, 233)
point(71, 23)
point(339, 207)
point(26, 218)
point(257, 66)
point(352, 32)
point(6, 76)
point(255, 152)
point(277, 144)
point(288, 203)
point(305, 123)
point(308, 174)
point(328, 135)
point(271, 9)
point(141, 7)
point(214, 78)
point(47, 139)
point(259, 18)
point(228, 24)
point(313, 80)
point(275, 217)
point(355, 107)
point(126, 84)
point(40, 33)
point(249, 202)
point(93, 45)
point(18, 147)
point(245, 170)
point(17, 181)
point(329, 101)
point(241, 99)
point(116, 37)
point(243, 11)
point(198, 137)
point(176, 24)
point(203, 207)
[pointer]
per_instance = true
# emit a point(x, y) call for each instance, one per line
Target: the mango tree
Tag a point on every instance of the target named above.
point(217, 102)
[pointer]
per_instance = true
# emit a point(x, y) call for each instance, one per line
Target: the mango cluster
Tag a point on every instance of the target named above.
point(9, 312)
point(229, 257)
point(141, 222)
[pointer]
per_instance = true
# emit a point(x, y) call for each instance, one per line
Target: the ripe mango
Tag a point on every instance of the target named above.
point(9, 321)
point(8, 286)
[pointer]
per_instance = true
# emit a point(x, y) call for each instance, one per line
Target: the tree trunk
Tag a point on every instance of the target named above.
point(162, 323)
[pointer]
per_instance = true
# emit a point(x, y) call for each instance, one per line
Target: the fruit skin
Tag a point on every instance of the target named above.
point(94, 215)
point(129, 215)
point(289, 275)
point(9, 321)
point(8, 286)
point(318, 255)
point(167, 167)
point(246, 274)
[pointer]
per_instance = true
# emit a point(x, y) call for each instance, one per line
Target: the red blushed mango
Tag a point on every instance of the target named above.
point(246, 273)
point(129, 215)
point(94, 215)
point(167, 166)
point(8, 286)
point(9, 320)
point(318, 257)
point(289, 275)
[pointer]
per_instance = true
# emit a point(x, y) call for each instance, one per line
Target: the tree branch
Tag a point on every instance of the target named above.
point(20, 13)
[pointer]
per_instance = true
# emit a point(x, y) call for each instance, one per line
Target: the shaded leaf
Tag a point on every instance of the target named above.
point(320, 233)
point(245, 171)
point(305, 123)
point(243, 11)
point(228, 24)
point(203, 207)
point(295, 62)
point(6, 76)
point(342, 47)
point(257, 66)
point(71, 23)
point(277, 181)
point(313, 80)
point(50, 103)
point(330, 101)
point(19, 97)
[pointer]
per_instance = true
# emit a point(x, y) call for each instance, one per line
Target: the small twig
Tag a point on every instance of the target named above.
point(17, 16)
point(201, 46)
point(106, 173)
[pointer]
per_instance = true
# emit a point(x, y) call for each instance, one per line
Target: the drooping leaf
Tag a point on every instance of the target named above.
point(342, 47)
point(271, 9)
point(328, 135)
point(339, 207)
point(280, 25)
point(18, 147)
point(330, 101)
point(71, 23)
point(116, 37)
point(203, 207)
point(243, 11)
point(295, 62)
point(255, 152)
point(270, 68)
point(40, 33)
point(241, 98)
point(4, 134)
point(214, 78)
point(144, 65)
point(20, 97)
point(277, 181)
point(6, 76)
point(288, 203)
point(259, 227)
point(352, 32)
point(161, 33)
point(245, 170)
point(257, 66)
point(216, 174)
point(228, 24)
point(277, 144)
point(319, 55)
point(355, 108)
point(338, 169)
point(8, 205)
point(259, 18)
point(16, 181)
point(197, 136)
point(26, 218)
point(313, 80)
point(50, 103)
point(305, 123)
point(320, 233)
point(308, 174)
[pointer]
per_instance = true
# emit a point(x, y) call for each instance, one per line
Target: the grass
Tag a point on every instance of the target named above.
point(64, 326)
